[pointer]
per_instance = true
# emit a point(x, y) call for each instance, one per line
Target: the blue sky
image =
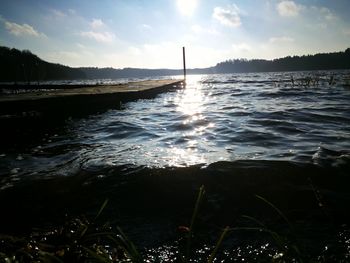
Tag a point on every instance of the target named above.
point(141, 33)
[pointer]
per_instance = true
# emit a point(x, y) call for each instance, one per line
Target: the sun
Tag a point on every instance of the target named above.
point(187, 7)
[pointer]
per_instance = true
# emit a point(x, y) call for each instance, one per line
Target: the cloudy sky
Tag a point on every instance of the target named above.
point(141, 33)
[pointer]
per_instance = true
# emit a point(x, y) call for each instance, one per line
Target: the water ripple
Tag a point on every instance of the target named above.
point(215, 118)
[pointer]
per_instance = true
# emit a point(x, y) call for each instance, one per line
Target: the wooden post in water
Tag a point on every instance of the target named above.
point(184, 61)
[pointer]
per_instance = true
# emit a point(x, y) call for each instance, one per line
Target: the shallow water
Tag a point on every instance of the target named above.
point(238, 134)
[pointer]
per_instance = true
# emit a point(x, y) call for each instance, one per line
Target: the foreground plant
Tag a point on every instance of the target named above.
point(84, 240)
point(78, 240)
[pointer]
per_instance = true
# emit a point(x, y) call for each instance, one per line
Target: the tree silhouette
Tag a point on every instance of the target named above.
point(327, 61)
point(23, 66)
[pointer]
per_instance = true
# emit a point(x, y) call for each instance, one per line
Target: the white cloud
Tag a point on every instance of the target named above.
point(228, 16)
point(146, 27)
point(96, 23)
point(62, 14)
point(68, 54)
point(58, 13)
point(145, 56)
point(325, 13)
point(21, 30)
point(288, 8)
point(197, 29)
point(242, 47)
point(187, 7)
point(201, 30)
point(103, 37)
point(135, 51)
point(98, 33)
point(328, 15)
point(283, 39)
point(72, 11)
point(80, 46)
point(62, 57)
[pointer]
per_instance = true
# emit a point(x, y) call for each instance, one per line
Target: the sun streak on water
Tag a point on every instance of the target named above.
point(190, 103)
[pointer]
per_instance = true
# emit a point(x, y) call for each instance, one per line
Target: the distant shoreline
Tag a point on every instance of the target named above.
point(61, 84)
point(23, 66)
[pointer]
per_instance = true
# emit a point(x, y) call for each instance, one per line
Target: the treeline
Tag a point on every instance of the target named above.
point(112, 73)
point(325, 61)
point(23, 66)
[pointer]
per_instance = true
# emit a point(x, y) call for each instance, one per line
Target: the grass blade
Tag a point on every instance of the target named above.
point(254, 220)
point(218, 244)
point(193, 220)
point(128, 246)
point(95, 256)
point(102, 208)
point(277, 210)
point(196, 208)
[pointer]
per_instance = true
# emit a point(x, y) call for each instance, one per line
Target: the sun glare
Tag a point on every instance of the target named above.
point(187, 7)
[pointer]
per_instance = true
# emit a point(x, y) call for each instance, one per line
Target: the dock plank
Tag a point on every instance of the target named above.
point(130, 87)
point(81, 101)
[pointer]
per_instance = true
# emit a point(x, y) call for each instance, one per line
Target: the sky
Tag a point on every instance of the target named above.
point(150, 34)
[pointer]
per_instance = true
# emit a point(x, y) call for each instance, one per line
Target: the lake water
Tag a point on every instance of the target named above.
point(215, 118)
point(242, 133)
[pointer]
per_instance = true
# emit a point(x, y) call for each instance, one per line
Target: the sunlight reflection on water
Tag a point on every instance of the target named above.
point(214, 118)
point(191, 103)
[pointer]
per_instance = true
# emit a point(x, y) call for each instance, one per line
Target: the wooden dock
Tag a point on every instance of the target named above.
point(82, 100)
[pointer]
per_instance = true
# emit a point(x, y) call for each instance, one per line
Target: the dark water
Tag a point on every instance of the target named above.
point(239, 135)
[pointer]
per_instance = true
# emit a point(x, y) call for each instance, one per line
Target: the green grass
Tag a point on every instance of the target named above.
point(86, 240)
point(78, 240)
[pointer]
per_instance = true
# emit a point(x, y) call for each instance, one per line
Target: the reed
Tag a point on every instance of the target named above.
point(84, 240)
point(218, 244)
point(288, 245)
point(198, 203)
point(78, 240)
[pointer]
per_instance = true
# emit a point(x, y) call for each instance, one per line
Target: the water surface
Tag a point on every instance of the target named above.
point(215, 118)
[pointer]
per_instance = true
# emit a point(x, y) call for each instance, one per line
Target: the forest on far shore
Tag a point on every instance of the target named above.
point(324, 61)
point(23, 66)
